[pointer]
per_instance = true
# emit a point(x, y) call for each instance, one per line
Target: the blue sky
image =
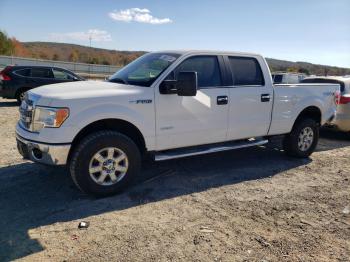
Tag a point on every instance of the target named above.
point(316, 31)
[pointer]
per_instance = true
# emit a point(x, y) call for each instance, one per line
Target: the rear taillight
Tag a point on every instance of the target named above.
point(345, 99)
point(3, 74)
point(4, 77)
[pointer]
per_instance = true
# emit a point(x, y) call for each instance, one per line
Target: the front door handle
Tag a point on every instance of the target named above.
point(222, 100)
point(265, 98)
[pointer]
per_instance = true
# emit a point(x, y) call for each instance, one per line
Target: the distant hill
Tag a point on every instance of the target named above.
point(84, 54)
point(304, 67)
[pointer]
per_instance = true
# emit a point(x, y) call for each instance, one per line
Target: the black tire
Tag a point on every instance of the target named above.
point(19, 95)
point(290, 141)
point(88, 147)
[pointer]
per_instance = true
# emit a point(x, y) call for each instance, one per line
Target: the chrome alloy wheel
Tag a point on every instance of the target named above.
point(305, 139)
point(108, 166)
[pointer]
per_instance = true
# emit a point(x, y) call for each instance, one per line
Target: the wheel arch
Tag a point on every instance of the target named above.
point(122, 126)
point(312, 112)
point(21, 90)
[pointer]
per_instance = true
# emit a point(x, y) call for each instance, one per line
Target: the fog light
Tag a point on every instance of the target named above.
point(37, 154)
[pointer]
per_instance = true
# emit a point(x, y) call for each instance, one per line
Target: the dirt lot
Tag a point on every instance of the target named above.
point(248, 205)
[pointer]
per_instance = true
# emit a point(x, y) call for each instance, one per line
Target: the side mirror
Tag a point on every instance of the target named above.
point(187, 84)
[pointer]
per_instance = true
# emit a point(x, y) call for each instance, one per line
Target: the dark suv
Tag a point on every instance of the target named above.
point(16, 80)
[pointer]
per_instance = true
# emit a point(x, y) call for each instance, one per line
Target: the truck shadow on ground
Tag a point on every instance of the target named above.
point(332, 139)
point(33, 195)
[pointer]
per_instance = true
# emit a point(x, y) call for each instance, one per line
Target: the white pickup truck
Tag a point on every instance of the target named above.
point(171, 104)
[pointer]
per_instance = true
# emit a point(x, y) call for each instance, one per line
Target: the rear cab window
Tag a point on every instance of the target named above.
point(246, 71)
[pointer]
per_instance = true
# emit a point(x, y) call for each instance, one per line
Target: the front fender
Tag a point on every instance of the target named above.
point(142, 119)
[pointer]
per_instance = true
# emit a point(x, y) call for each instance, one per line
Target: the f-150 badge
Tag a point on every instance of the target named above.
point(141, 101)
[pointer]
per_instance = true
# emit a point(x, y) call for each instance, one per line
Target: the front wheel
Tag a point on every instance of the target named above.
point(302, 140)
point(20, 96)
point(104, 163)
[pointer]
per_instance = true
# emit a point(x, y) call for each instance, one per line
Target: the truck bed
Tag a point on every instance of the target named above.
point(290, 100)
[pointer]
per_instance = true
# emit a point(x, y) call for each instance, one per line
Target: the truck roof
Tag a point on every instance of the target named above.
point(214, 52)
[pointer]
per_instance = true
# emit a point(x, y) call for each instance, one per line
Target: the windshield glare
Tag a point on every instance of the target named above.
point(144, 70)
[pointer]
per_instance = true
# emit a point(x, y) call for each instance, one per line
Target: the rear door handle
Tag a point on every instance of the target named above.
point(222, 100)
point(265, 98)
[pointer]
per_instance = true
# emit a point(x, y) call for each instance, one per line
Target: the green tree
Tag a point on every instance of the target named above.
point(6, 45)
point(74, 56)
point(292, 69)
point(94, 60)
point(83, 57)
point(43, 55)
point(304, 71)
point(55, 57)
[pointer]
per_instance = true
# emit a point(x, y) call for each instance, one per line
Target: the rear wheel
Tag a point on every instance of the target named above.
point(105, 163)
point(302, 140)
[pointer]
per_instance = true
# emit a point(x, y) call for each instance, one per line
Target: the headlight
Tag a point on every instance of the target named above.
point(49, 117)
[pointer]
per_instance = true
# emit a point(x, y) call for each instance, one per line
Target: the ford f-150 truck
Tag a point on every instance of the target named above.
point(170, 104)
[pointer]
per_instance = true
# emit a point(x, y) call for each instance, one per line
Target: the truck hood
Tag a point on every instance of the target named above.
point(84, 89)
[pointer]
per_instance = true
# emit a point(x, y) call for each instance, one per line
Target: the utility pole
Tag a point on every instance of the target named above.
point(90, 37)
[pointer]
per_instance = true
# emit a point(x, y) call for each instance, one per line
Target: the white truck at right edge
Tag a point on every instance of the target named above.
point(169, 104)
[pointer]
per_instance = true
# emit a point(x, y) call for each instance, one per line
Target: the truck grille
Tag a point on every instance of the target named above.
point(26, 113)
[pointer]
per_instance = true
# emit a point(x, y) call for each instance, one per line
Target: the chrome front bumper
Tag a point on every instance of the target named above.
point(50, 154)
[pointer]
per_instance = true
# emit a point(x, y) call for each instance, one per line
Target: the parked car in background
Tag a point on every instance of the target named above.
point(16, 80)
point(342, 118)
point(287, 78)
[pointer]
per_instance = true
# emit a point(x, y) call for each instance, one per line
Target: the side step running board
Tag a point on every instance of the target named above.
point(200, 150)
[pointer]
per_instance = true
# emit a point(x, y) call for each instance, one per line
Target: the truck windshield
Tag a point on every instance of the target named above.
point(144, 70)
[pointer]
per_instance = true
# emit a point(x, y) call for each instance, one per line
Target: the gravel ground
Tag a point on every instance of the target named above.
point(247, 205)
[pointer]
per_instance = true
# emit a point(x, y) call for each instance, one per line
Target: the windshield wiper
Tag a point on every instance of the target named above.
point(118, 80)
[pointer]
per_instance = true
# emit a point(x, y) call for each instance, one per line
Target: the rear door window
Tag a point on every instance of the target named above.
point(246, 71)
point(41, 72)
point(62, 75)
point(23, 72)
